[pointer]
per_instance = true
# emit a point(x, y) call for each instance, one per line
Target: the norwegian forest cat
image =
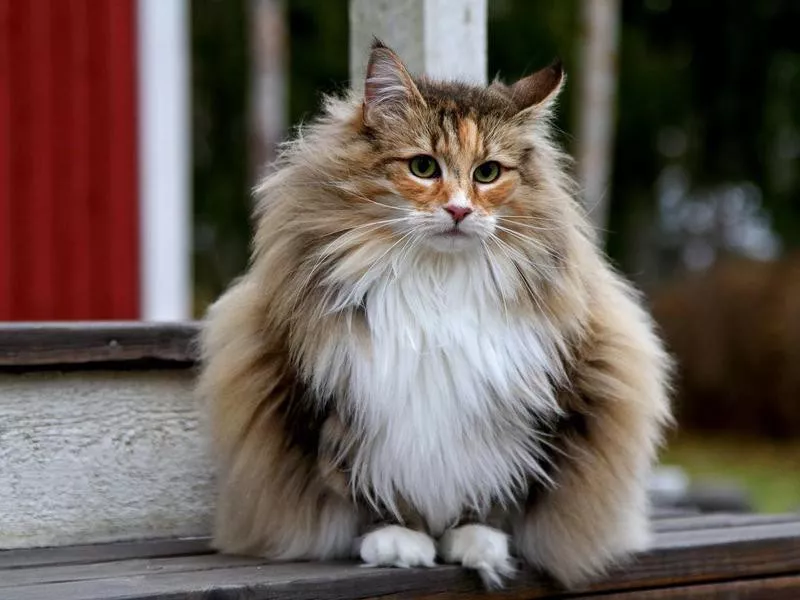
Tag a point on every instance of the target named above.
point(428, 356)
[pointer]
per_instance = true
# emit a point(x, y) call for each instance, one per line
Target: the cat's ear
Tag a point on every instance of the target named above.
point(539, 90)
point(388, 86)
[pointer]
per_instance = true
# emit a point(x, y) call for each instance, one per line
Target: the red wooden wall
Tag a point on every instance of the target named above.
point(68, 160)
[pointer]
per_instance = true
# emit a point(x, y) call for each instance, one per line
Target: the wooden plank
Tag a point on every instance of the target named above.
point(74, 345)
point(101, 456)
point(686, 558)
point(122, 568)
point(158, 548)
point(714, 521)
point(100, 553)
point(714, 554)
point(661, 512)
point(294, 581)
point(774, 588)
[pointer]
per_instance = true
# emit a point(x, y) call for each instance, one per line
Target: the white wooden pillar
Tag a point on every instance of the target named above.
point(440, 38)
point(164, 165)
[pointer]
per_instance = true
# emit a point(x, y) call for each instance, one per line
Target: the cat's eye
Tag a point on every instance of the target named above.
point(424, 166)
point(487, 172)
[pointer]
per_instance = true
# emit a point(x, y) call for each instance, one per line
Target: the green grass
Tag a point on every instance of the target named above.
point(769, 471)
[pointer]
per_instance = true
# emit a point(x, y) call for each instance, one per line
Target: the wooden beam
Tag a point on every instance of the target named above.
point(440, 38)
point(98, 456)
point(69, 346)
point(698, 563)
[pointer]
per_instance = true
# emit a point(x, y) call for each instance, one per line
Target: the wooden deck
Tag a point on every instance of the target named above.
point(77, 501)
point(710, 556)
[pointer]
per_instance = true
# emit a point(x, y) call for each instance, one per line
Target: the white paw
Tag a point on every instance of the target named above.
point(394, 546)
point(481, 548)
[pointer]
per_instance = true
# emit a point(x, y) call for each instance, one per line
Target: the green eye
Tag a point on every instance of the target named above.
point(487, 172)
point(424, 166)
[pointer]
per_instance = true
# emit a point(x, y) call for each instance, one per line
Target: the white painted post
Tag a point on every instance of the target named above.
point(440, 38)
point(596, 104)
point(164, 167)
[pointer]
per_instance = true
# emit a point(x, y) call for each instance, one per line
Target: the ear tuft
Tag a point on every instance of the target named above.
point(539, 89)
point(377, 43)
point(388, 85)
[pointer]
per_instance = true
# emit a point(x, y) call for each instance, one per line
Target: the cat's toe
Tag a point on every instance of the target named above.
point(482, 548)
point(395, 546)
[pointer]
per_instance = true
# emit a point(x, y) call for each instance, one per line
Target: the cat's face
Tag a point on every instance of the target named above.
point(451, 157)
point(453, 182)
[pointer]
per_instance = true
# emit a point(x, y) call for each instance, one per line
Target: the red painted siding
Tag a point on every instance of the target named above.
point(5, 189)
point(68, 160)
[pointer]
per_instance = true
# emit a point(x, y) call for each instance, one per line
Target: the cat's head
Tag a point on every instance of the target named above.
point(415, 171)
point(457, 160)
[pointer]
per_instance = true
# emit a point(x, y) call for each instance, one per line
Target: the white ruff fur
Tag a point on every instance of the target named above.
point(443, 397)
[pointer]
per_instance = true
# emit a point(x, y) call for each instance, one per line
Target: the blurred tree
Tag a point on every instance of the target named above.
point(220, 83)
point(710, 87)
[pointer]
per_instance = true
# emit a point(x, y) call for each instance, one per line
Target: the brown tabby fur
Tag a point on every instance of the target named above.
point(286, 455)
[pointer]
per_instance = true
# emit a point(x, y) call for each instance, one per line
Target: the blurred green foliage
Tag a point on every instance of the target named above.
point(710, 85)
point(765, 469)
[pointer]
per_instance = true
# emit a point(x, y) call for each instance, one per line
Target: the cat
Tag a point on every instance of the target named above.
point(428, 358)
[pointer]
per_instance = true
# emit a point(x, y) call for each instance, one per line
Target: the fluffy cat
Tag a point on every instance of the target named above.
point(428, 356)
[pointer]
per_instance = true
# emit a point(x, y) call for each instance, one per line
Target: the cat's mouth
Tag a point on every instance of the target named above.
point(452, 239)
point(453, 232)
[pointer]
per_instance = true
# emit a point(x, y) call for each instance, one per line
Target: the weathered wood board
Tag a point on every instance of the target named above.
point(94, 455)
point(721, 556)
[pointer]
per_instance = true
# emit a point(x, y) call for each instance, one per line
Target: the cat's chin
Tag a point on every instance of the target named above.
point(452, 242)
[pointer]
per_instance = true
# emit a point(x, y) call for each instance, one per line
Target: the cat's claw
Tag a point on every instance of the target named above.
point(395, 546)
point(481, 548)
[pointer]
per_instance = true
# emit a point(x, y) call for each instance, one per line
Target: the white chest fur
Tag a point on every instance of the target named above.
point(444, 394)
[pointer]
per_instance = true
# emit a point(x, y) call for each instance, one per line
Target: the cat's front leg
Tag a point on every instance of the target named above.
point(597, 512)
point(397, 546)
point(479, 547)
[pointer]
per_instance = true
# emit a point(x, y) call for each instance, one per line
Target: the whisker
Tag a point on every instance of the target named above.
point(372, 224)
point(535, 243)
point(374, 265)
point(494, 280)
point(522, 258)
point(539, 218)
point(528, 226)
point(353, 193)
point(404, 252)
point(342, 241)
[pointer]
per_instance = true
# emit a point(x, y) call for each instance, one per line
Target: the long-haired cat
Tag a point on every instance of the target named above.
point(428, 356)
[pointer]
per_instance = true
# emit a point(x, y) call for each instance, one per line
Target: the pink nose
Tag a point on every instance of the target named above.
point(459, 213)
